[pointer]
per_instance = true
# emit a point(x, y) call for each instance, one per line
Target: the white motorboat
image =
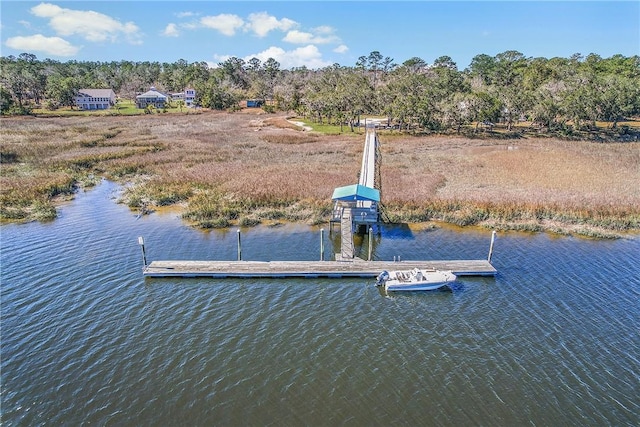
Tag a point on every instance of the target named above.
point(415, 280)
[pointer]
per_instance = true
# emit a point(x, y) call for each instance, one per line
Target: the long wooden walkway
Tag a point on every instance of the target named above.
point(370, 168)
point(307, 269)
point(346, 237)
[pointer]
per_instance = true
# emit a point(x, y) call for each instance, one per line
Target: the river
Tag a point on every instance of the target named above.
point(553, 339)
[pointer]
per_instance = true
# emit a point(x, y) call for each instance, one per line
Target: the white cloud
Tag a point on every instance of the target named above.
point(341, 49)
point(185, 14)
point(225, 23)
point(324, 29)
point(300, 37)
point(191, 25)
point(93, 26)
point(262, 23)
point(221, 58)
point(171, 30)
point(308, 56)
point(39, 43)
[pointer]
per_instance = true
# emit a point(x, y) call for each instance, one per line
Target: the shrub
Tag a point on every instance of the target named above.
point(246, 221)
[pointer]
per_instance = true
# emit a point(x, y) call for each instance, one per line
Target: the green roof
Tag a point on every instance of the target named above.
point(356, 192)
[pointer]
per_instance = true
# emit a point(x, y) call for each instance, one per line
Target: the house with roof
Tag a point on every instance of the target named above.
point(151, 97)
point(188, 96)
point(95, 99)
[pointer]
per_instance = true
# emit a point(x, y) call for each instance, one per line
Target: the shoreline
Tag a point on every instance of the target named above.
point(224, 169)
point(550, 227)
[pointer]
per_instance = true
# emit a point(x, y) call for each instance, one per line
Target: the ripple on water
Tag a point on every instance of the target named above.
point(87, 340)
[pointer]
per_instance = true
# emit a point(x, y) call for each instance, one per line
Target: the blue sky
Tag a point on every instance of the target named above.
point(315, 34)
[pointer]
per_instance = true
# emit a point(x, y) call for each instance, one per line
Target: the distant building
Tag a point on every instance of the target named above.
point(188, 96)
point(254, 103)
point(151, 97)
point(95, 99)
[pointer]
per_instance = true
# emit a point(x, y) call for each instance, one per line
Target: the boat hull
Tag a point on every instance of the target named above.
point(414, 287)
point(415, 280)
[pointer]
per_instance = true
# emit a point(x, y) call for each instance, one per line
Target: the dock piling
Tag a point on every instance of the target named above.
point(370, 243)
point(322, 244)
point(144, 255)
point(239, 247)
point(493, 239)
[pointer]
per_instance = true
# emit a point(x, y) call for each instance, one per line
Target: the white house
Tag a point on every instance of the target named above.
point(188, 96)
point(95, 99)
point(151, 97)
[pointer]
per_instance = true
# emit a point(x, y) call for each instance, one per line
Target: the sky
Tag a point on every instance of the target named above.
point(315, 34)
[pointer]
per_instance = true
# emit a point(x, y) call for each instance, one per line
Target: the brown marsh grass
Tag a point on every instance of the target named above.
point(227, 168)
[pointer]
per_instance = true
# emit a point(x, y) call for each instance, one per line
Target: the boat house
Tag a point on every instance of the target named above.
point(357, 202)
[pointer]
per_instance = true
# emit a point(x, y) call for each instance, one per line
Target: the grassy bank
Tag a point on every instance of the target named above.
point(246, 168)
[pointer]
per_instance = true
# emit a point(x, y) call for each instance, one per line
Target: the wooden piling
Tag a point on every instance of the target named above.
point(144, 254)
point(493, 239)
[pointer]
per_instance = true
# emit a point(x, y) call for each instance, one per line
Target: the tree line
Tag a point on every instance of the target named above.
point(437, 96)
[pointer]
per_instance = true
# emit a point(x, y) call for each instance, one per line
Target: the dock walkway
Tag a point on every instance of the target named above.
point(346, 236)
point(362, 204)
point(308, 269)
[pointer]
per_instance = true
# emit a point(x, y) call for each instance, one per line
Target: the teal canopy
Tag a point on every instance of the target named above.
point(356, 192)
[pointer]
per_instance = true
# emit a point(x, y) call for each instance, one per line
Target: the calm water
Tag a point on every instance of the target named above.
point(554, 339)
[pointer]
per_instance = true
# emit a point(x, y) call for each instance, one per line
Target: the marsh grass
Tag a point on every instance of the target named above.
point(291, 138)
point(47, 160)
point(600, 221)
point(28, 196)
point(244, 169)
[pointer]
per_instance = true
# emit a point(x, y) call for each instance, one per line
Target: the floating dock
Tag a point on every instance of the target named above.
point(308, 269)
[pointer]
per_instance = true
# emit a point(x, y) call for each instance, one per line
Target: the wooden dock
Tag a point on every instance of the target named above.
point(356, 205)
point(308, 269)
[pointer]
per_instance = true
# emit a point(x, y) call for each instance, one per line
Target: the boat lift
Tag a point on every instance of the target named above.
point(357, 208)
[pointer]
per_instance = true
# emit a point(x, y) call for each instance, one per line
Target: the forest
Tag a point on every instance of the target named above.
point(557, 93)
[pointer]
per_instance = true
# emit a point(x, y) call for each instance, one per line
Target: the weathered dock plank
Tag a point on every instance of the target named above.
point(307, 269)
